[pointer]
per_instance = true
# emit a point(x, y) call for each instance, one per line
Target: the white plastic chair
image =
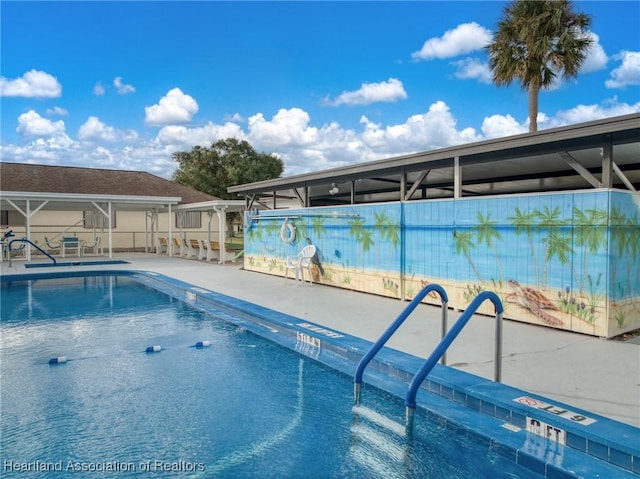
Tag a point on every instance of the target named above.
point(299, 263)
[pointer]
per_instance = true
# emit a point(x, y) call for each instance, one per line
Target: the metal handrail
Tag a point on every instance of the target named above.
point(25, 240)
point(441, 349)
point(357, 379)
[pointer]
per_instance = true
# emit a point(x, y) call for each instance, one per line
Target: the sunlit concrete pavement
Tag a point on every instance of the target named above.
point(601, 376)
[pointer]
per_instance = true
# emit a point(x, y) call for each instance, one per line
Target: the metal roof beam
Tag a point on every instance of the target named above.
point(571, 161)
point(620, 174)
point(416, 185)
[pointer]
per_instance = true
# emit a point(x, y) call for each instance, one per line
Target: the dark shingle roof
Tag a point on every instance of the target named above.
point(24, 177)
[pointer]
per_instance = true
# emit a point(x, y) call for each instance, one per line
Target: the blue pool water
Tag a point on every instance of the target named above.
point(243, 407)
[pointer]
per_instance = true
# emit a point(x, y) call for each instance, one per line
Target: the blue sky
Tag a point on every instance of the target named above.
point(123, 85)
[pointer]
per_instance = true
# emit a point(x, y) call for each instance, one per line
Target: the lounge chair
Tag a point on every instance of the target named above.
point(299, 263)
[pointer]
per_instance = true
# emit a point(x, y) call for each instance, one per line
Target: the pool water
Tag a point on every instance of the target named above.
point(242, 407)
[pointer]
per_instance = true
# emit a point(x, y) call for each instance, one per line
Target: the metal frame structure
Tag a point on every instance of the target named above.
point(597, 154)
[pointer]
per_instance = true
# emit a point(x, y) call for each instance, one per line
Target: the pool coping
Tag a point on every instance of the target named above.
point(600, 449)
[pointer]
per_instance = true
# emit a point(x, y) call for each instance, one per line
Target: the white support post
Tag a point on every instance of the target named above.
point(222, 231)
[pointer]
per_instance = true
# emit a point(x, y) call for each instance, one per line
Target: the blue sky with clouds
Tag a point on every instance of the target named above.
point(124, 85)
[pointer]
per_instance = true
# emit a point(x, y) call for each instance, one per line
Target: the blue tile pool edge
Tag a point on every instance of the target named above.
point(392, 371)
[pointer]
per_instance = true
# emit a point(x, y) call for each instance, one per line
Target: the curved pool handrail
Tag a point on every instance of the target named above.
point(26, 240)
point(440, 350)
point(366, 359)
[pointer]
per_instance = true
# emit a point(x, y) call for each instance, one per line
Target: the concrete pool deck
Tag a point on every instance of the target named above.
point(601, 376)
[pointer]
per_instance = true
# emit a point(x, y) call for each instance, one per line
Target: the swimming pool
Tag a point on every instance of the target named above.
point(241, 407)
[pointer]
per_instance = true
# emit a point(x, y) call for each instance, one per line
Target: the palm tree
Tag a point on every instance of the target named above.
point(535, 41)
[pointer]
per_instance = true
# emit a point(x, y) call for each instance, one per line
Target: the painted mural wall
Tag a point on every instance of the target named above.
point(568, 261)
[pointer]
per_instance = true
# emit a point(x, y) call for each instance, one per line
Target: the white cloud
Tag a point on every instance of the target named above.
point(236, 117)
point(99, 89)
point(628, 73)
point(287, 127)
point(174, 107)
point(58, 111)
point(95, 130)
point(435, 129)
point(583, 113)
point(33, 84)
point(32, 124)
point(472, 68)
point(182, 137)
point(463, 39)
point(290, 134)
point(122, 88)
point(497, 126)
point(390, 91)
point(596, 58)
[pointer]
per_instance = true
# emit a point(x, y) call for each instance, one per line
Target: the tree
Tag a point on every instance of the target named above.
point(535, 41)
point(227, 162)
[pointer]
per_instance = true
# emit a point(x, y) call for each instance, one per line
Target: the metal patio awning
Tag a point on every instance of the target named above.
point(600, 154)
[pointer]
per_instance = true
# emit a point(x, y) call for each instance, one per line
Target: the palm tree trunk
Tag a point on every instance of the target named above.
point(534, 90)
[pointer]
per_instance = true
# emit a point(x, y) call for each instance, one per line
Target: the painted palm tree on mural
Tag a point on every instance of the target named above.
point(590, 232)
point(489, 235)
point(317, 226)
point(387, 231)
point(549, 222)
point(625, 241)
point(535, 41)
point(302, 230)
point(558, 245)
point(463, 241)
point(362, 236)
point(524, 221)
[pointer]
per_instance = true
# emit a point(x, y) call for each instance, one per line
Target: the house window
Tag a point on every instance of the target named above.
point(95, 219)
point(190, 219)
point(4, 218)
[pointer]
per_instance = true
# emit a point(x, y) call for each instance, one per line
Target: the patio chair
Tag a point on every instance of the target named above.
point(50, 246)
point(94, 247)
point(299, 263)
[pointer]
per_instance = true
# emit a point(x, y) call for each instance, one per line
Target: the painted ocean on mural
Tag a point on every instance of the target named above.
point(555, 259)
